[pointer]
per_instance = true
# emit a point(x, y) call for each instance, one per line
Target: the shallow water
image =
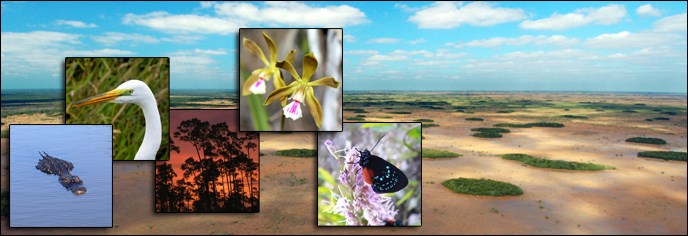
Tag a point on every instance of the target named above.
point(38, 199)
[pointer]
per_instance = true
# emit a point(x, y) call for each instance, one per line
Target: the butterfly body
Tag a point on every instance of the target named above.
point(381, 175)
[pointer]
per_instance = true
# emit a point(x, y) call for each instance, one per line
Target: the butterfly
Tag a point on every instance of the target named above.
point(381, 175)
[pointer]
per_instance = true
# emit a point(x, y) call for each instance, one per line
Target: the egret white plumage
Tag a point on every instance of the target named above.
point(136, 92)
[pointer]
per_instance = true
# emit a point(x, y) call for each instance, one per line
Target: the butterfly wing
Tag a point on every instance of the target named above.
point(383, 176)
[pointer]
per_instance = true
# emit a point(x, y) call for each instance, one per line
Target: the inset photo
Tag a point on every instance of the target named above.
point(213, 167)
point(370, 175)
point(60, 176)
point(290, 79)
point(131, 93)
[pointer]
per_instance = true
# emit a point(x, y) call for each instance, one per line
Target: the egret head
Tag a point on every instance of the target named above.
point(132, 91)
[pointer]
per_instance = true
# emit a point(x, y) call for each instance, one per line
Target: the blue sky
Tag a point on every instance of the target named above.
point(554, 46)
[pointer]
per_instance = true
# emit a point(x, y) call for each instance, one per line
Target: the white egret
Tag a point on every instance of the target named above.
point(137, 92)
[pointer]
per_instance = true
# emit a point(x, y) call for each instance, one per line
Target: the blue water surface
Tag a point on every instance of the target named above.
point(38, 199)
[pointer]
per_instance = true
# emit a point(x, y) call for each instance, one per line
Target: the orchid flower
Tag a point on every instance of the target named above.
point(255, 84)
point(300, 89)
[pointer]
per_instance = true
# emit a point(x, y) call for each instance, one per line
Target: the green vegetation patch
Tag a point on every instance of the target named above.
point(574, 117)
point(662, 118)
point(553, 164)
point(666, 155)
point(400, 112)
point(355, 118)
point(546, 124)
point(491, 130)
point(5, 134)
point(487, 135)
point(510, 125)
point(297, 152)
point(429, 125)
point(424, 120)
point(647, 140)
point(505, 111)
point(482, 187)
point(434, 153)
point(474, 119)
point(355, 110)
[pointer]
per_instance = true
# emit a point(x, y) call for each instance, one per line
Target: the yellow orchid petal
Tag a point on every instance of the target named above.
point(271, 47)
point(310, 64)
point(290, 56)
point(326, 81)
point(279, 82)
point(314, 106)
point(280, 93)
point(290, 68)
point(245, 90)
point(253, 48)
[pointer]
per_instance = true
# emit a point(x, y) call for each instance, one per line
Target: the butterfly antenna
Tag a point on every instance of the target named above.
point(378, 141)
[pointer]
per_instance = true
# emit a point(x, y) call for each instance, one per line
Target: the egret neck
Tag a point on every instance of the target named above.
point(153, 137)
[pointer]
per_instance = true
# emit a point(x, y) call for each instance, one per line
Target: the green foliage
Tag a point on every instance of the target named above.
point(666, 155)
point(647, 140)
point(5, 134)
point(434, 153)
point(491, 130)
point(429, 125)
point(355, 118)
point(487, 135)
point(482, 187)
point(355, 110)
point(530, 125)
point(662, 118)
point(546, 124)
point(297, 152)
point(262, 154)
point(474, 119)
point(424, 120)
point(400, 112)
point(86, 77)
point(505, 111)
point(574, 117)
point(553, 164)
point(510, 125)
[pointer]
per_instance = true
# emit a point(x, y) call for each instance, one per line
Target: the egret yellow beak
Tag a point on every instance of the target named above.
point(101, 98)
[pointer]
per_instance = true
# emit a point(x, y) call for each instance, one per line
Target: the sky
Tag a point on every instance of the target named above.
point(466, 46)
point(231, 117)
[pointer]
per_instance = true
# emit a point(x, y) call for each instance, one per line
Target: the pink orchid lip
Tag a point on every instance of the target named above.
point(293, 108)
point(260, 80)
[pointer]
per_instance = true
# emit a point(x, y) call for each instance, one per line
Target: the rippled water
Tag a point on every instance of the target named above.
point(38, 199)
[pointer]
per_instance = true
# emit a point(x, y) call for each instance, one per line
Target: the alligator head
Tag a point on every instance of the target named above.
point(73, 183)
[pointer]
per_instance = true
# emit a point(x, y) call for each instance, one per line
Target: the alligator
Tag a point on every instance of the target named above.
point(55, 166)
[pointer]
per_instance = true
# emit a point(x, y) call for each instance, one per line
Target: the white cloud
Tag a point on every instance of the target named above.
point(447, 15)
point(383, 40)
point(75, 24)
point(557, 40)
point(360, 52)
point(606, 15)
point(112, 38)
point(183, 23)
point(230, 16)
point(42, 52)
point(197, 63)
point(417, 41)
point(108, 52)
point(349, 38)
point(648, 10)
point(182, 39)
point(671, 23)
point(405, 8)
point(219, 51)
point(627, 39)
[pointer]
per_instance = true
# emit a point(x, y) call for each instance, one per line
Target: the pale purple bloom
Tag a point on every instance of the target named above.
point(258, 87)
point(365, 203)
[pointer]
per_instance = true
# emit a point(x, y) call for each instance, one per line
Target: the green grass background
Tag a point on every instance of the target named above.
point(86, 77)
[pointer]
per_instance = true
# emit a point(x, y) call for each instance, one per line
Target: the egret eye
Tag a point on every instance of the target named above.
point(130, 92)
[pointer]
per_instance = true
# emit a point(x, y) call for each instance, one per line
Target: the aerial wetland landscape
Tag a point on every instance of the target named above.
point(543, 162)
